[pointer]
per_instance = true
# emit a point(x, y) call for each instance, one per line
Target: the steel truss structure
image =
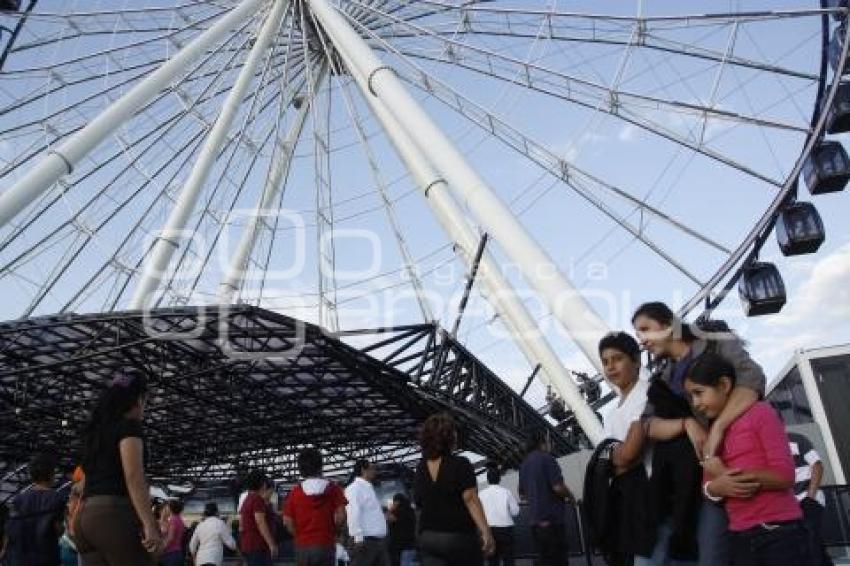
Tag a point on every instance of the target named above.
point(237, 387)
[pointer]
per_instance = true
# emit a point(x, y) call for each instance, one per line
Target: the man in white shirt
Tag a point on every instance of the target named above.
point(367, 525)
point(210, 538)
point(808, 475)
point(620, 356)
point(500, 508)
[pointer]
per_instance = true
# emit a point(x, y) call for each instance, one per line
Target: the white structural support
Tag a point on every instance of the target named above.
point(169, 237)
point(61, 160)
point(278, 172)
point(583, 324)
point(497, 289)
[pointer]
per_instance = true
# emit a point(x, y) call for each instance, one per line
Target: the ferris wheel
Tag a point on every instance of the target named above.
point(318, 156)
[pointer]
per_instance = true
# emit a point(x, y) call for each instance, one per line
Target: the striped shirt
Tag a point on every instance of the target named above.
point(805, 456)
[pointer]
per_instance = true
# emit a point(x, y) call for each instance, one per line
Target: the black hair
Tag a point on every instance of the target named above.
point(123, 392)
point(43, 468)
point(255, 480)
point(211, 509)
point(534, 441)
point(621, 342)
point(708, 368)
point(360, 466)
point(494, 476)
point(661, 313)
point(438, 436)
point(176, 506)
point(310, 463)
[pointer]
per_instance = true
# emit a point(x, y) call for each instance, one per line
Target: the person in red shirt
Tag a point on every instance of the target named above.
point(256, 540)
point(765, 520)
point(313, 511)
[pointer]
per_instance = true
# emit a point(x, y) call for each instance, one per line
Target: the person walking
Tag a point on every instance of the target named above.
point(36, 518)
point(209, 539)
point(114, 525)
point(313, 511)
point(367, 525)
point(691, 528)
point(808, 475)
point(401, 523)
point(256, 539)
point(542, 485)
point(500, 508)
point(445, 490)
point(173, 535)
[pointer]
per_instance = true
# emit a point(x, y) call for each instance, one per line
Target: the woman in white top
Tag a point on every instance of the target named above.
point(210, 538)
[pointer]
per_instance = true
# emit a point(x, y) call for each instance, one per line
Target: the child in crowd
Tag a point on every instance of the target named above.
point(756, 485)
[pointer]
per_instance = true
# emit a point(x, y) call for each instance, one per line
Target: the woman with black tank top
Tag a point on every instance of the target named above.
point(115, 525)
point(446, 492)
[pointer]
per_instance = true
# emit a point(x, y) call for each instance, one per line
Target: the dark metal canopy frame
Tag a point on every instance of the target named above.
point(238, 387)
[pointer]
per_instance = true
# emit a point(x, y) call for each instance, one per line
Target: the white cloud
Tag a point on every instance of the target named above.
point(817, 314)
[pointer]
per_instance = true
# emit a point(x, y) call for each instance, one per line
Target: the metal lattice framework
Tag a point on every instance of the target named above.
point(150, 155)
point(240, 387)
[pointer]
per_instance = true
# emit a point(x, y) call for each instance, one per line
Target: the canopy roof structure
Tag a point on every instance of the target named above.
point(239, 387)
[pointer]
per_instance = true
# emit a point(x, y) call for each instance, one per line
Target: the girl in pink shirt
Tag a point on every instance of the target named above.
point(757, 476)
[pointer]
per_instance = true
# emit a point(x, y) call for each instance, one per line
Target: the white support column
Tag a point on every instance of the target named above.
point(61, 160)
point(566, 303)
point(168, 239)
point(498, 290)
point(281, 162)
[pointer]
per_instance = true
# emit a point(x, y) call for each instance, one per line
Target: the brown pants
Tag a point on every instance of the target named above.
point(107, 533)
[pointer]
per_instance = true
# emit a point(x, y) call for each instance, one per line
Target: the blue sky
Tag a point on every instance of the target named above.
point(616, 272)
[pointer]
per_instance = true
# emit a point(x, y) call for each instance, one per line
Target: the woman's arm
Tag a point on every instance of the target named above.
point(779, 472)
point(170, 534)
point(131, 452)
point(263, 527)
point(741, 399)
point(476, 511)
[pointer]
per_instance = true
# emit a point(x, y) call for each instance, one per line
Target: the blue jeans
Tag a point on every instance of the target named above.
point(408, 558)
point(768, 544)
point(712, 538)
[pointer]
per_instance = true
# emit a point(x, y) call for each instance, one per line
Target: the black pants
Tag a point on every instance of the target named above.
point(504, 537)
point(813, 517)
point(449, 549)
point(784, 543)
point(551, 542)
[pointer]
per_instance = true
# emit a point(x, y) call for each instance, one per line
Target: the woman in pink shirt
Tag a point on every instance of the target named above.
point(757, 476)
point(172, 554)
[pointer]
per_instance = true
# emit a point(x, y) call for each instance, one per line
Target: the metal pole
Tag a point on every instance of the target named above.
point(498, 291)
point(473, 271)
point(60, 161)
point(168, 240)
point(583, 324)
point(281, 162)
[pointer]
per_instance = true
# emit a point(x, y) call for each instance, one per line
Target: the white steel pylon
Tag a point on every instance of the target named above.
point(278, 172)
point(168, 239)
point(583, 324)
point(498, 291)
point(61, 160)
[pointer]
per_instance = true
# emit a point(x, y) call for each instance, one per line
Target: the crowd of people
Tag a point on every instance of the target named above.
point(698, 470)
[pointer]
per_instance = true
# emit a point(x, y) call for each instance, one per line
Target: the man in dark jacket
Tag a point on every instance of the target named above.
point(542, 485)
point(36, 519)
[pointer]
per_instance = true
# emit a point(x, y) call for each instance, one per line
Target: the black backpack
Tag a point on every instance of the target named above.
point(597, 492)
